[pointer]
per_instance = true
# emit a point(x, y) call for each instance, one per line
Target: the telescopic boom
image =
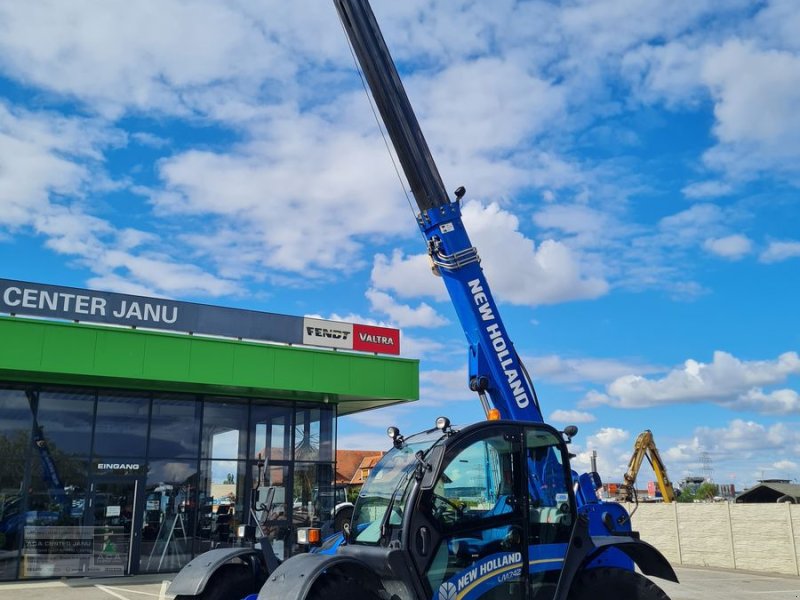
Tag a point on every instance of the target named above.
point(494, 367)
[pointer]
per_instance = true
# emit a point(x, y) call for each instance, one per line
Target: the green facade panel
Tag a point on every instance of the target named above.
point(254, 366)
point(120, 355)
point(80, 354)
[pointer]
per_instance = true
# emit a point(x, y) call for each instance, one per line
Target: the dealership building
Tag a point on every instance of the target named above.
point(135, 432)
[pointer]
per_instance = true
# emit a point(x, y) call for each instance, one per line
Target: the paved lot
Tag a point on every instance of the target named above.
point(696, 584)
point(143, 587)
point(708, 584)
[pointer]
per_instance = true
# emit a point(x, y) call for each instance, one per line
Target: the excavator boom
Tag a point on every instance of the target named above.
point(645, 447)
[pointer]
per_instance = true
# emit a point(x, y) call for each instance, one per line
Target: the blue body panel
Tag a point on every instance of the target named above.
point(491, 354)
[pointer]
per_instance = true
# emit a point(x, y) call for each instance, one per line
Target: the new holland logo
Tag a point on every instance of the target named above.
point(447, 591)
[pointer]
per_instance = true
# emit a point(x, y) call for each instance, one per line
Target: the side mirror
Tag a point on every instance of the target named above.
point(435, 461)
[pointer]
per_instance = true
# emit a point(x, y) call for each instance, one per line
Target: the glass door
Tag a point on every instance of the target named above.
point(115, 518)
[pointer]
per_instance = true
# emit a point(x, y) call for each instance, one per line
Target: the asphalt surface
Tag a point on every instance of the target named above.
point(696, 584)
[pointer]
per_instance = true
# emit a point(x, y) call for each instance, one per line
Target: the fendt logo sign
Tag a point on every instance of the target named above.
point(351, 336)
point(329, 334)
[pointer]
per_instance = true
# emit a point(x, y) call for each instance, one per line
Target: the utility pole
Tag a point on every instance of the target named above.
point(708, 471)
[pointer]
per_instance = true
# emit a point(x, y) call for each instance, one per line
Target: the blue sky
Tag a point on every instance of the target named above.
point(632, 177)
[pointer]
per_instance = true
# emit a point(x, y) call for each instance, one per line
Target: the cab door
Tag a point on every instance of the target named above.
point(469, 527)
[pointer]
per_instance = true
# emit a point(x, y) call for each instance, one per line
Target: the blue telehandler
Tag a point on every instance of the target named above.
point(487, 511)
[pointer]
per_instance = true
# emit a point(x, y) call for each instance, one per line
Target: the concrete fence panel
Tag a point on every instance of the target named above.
point(762, 538)
point(794, 522)
point(658, 525)
point(757, 537)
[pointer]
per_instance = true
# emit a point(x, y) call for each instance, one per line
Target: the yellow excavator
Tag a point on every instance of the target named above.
point(645, 447)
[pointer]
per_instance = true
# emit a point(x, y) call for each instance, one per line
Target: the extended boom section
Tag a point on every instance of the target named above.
point(494, 366)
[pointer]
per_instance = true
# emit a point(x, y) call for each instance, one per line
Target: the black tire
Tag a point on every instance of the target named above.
point(336, 586)
point(343, 516)
point(230, 582)
point(599, 584)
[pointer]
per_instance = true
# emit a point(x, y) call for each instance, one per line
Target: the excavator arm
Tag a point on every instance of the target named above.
point(645, 447)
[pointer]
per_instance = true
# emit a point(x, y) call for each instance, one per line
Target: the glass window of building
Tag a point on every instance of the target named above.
point(271, 432)
point(174, 427)
point(223, 503)
point(66, 418)
point(183, 471)
point(169, 513)
point(314, 434)
point(121, 425)
point(15, 436)
point(15, 431)
point(12, 473)
point(57, 493)
point(270, 506)
point(224, 429)
point(313, 494)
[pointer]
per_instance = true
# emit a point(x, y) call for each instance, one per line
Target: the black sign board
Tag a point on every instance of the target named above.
point(76, 304)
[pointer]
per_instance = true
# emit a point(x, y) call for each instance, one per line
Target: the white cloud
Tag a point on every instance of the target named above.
point(745, 437)
point(421, 347)
point(611, 446)
point(519, 272)
point(575, 370)
point(570, 417)
point(438, 386)
point(670, 72)
point(708, 189)
point(782, 402)
point(727, 381)
point(778, 23)
point(529, 105)
point(586, 227)
point(786, 466)
point(53, 168)
point(402, 314)
point(778, 251)
point(731, 247)
point(756, 92)
point(741, 452)
point(293, 198)
point(148, 139)
point(45, 154)
point(175, 57)
point(692, 224)
point(608, 437)
point(751, 73)
point(407, 276)
point(572, 219)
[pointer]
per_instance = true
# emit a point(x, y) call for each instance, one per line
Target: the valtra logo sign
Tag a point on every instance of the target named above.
point(369, 338)
point(351, 336)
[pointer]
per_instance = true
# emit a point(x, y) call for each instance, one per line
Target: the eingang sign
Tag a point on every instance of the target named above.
point(76, 304)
